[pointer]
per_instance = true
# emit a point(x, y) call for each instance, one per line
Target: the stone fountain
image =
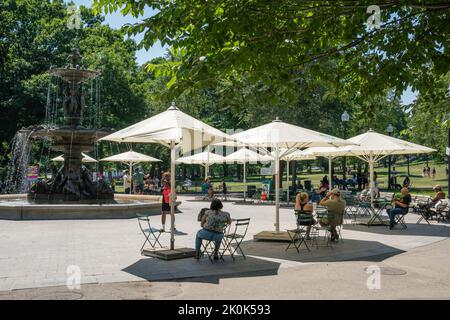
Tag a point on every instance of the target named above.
point(72, 193)
point(73, 182)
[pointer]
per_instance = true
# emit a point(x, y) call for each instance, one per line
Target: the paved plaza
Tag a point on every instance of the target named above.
point(37, 254)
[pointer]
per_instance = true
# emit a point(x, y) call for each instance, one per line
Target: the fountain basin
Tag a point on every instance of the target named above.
point(17, 207)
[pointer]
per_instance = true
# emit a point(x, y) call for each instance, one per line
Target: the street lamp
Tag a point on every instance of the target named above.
point(345, 118)
point(389, 130)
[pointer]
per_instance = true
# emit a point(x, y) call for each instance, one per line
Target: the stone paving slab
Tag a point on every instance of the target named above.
point(38, 253)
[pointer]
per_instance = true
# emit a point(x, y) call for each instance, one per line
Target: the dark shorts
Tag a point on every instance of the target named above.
point(165, 207)
point(140, 187)
point(308, 223)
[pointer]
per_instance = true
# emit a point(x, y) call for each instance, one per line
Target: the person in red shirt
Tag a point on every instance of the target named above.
point(165, 190)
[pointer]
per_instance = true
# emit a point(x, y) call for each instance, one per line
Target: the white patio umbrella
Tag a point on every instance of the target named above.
point(85, 159)
point(327, 152)
point(243, 156)
point(130, 158)
point(204, 158)
point(297, 155)
point(373, 146)
point(279, 136)
point(175, 130)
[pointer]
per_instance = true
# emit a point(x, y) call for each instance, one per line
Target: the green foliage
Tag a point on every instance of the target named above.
point(430, 114)
point(277, 42)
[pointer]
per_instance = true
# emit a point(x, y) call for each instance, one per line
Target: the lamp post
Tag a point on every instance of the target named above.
point(345, 117)
point(389, 130)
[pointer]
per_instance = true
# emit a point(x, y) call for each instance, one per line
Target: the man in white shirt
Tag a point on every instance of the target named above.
point(127, 182)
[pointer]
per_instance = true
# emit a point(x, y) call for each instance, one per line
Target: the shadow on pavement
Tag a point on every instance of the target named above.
point(192, 270)
point(414, 229)
point(349, 250)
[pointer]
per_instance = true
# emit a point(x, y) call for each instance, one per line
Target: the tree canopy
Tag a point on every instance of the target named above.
point(281, 42)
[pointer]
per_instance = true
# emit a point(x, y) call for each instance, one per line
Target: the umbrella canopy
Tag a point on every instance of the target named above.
point(86, 158)
point(171, 126)
point(285, 138)
point(175, 130)
point(131, 158)
point(373, 146)
point(243, 156)
point(327, 152)
point(203, 158)
point(296, 155)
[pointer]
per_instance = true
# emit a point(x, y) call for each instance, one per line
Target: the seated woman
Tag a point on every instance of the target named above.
point(406, 182)
point(323, 188)
point(365, 194)
point(213, 223)
point(439, 195)
point(303, 204)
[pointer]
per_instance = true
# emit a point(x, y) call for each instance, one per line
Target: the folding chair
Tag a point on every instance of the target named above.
point(441, 211)
point(423, 209)
point(296, 235)
point(151, 234)
point(351, 208)
point(208, 247)
point(327, 229)
point(236, 237)
point(400, 220)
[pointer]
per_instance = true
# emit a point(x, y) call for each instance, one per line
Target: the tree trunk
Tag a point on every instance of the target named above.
point(294, 172)
point(225, 170)
point(183, 170)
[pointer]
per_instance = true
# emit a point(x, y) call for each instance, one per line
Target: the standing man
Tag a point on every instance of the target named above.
point(138, 179)
point(127, 182)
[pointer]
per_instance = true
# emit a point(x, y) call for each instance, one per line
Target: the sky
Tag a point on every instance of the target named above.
point(116, 20)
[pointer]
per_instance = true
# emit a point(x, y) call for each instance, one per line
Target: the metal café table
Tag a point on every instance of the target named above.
point(379, 205)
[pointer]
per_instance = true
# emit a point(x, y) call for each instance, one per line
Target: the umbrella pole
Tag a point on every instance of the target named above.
point(207, 163)
point(330, 169)
point(131, 177)
point(287, 181)
point(172, 195)
point(277, 189)
point(372, 184)
point(245, 180)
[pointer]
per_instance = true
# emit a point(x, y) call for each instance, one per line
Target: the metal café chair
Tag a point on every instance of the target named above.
point(151, 234)
point(208, 247)
point(297, 235)
point(322, 213)
point(236, 237)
